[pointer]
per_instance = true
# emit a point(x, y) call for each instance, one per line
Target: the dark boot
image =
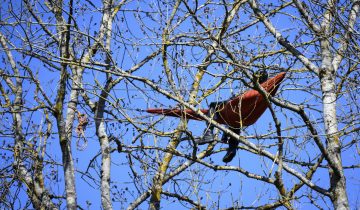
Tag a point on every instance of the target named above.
point(231, 151)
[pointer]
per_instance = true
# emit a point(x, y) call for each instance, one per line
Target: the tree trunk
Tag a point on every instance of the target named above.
point(328, 88)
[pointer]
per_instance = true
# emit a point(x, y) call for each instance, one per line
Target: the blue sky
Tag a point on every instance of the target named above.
point(214, 187)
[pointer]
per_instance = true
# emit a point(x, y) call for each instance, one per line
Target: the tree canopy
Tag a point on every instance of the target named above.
point(77, 76)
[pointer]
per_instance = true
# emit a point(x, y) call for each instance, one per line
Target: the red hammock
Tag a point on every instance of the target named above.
point(242, 110)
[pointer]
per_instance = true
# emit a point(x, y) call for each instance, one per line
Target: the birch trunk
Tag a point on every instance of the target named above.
point(327, 75)
point(328, 88)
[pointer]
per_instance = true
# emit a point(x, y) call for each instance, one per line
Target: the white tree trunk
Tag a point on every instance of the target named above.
point(328, 87)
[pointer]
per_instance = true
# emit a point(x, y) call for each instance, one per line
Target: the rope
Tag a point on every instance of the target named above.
point(135, 109)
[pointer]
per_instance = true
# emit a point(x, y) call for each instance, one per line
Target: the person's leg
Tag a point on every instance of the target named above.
point(208, 134)
point(231, 151)
point(224, 138)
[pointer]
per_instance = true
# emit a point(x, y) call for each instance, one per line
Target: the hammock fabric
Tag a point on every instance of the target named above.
point(242, 110)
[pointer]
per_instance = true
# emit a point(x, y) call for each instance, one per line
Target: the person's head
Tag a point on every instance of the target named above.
point(261, 75)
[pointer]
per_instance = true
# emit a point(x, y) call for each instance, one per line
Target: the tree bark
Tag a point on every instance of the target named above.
point(105, 148)
point(337, 178)
point(327, 75)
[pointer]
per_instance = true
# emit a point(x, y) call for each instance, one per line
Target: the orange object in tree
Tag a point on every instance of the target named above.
point(239, 111)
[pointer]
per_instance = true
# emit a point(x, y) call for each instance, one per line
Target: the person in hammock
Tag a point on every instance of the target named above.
point(236, 113)
point(214, 107)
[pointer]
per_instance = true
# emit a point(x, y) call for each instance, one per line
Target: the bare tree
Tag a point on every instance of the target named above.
point(78, 76)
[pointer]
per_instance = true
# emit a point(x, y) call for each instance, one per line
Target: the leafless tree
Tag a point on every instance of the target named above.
point(78, 76)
